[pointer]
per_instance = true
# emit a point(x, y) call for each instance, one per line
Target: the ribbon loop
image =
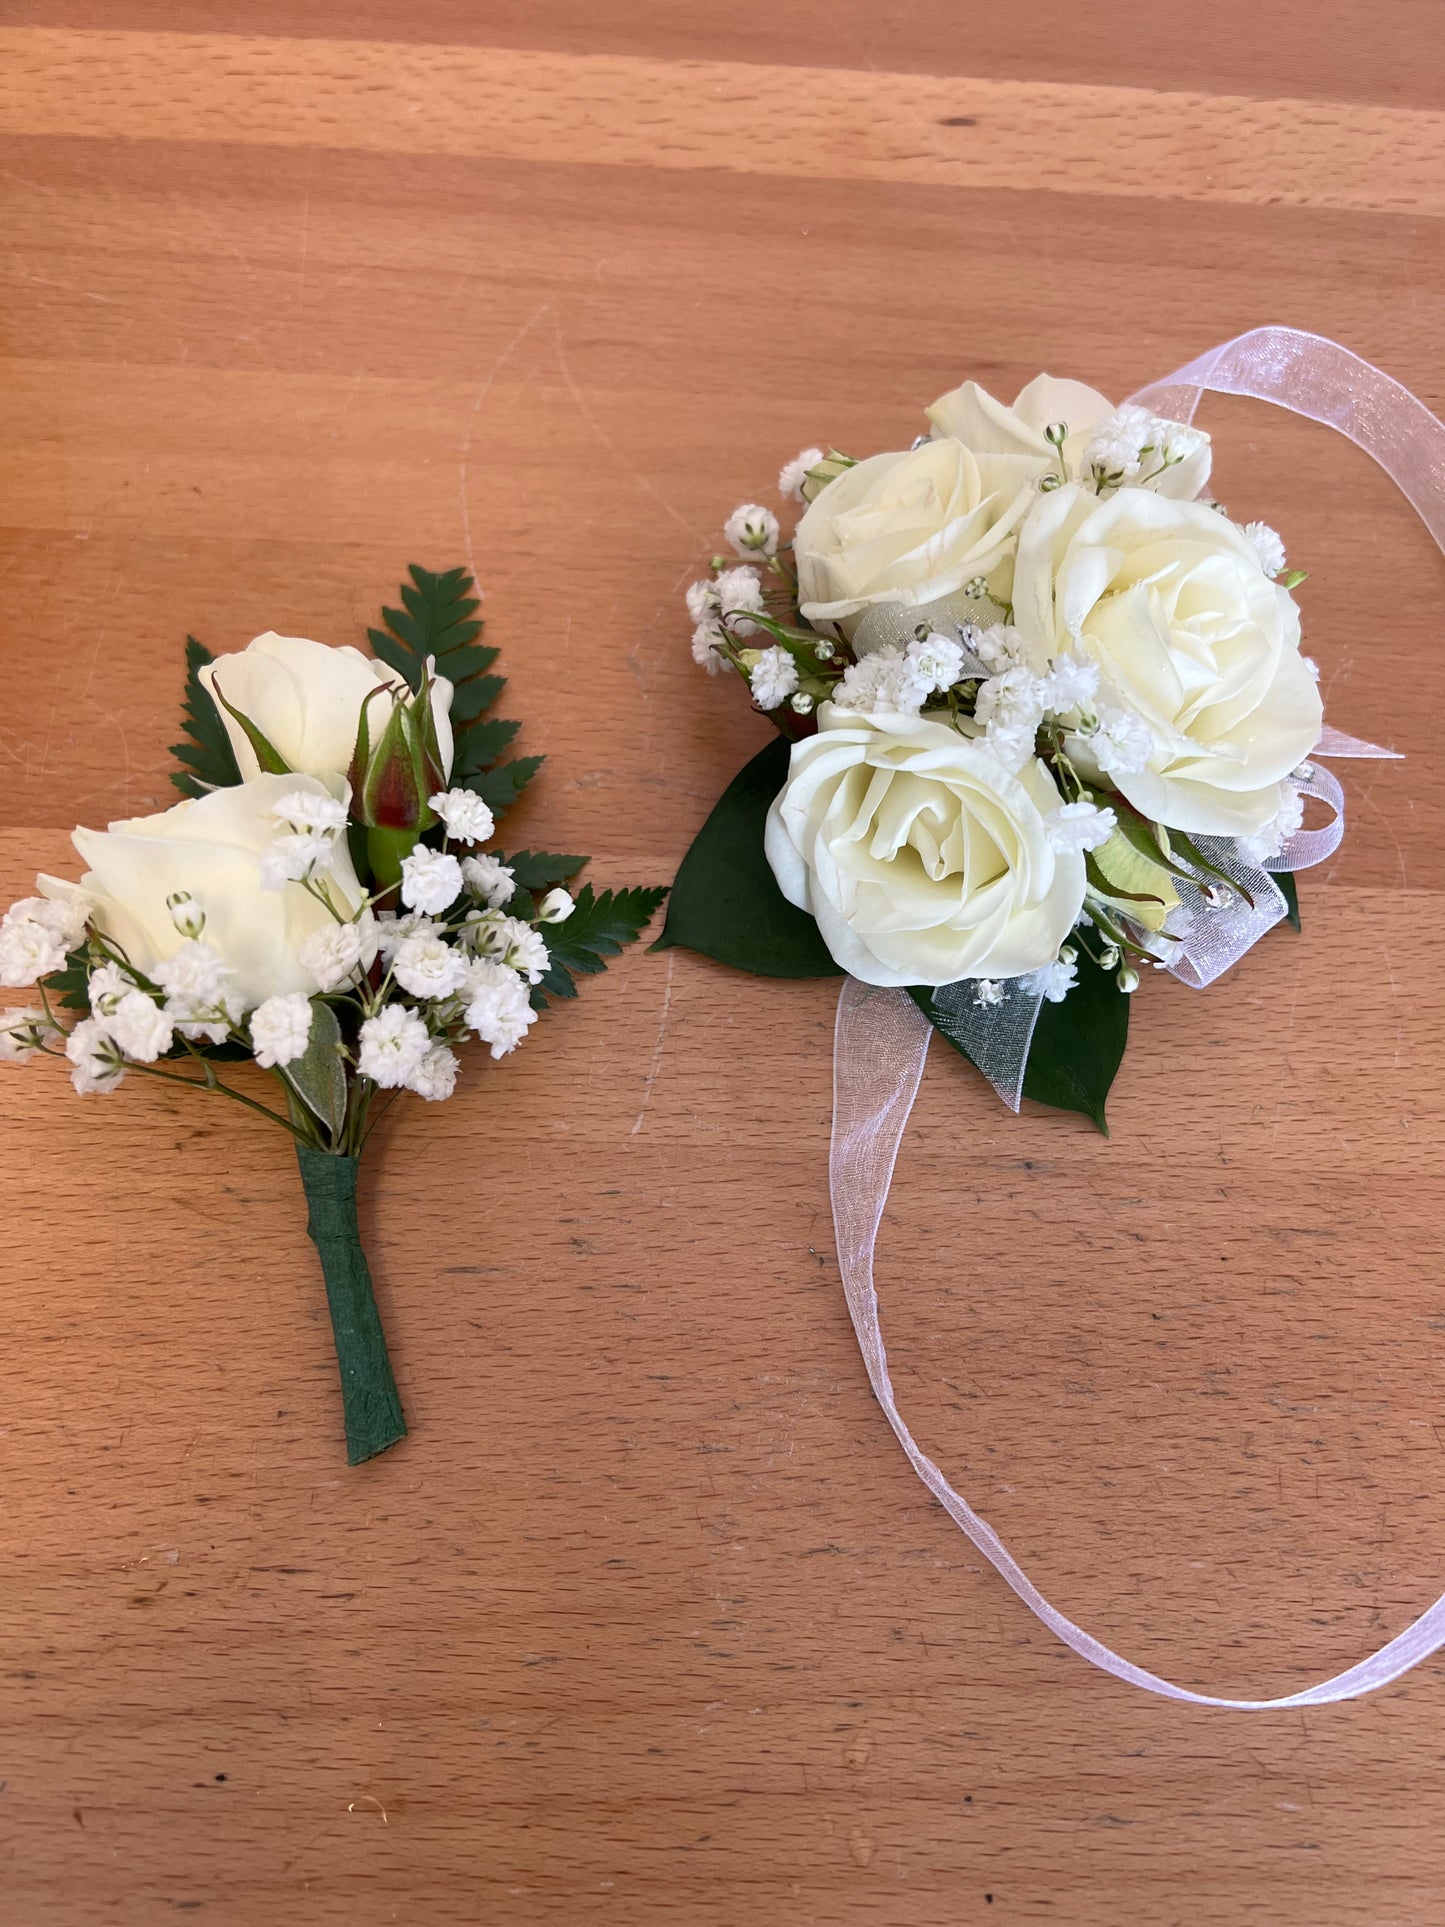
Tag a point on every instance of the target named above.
point(881, 1039)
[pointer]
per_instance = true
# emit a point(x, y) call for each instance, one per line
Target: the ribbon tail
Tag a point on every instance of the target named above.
point(880, 1048)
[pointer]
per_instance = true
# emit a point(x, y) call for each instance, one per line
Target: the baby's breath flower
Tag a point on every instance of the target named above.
point(499, 1010)
point(1266, 545)
point(1057, 979)
point(281, 1029)
point(489, 879)
point(555, 907)
point(22, 1032)
point(97, 1064)
point(1122, 744)
point(292, 857)
point(28, 951)
point(429, 967)
point(793, 474)
point(752, 530)
point(739, 594)
point(330, 955)
point(140, 1027)
point(193, 980)
point(1072, 683)
point(1271, 840)
point(435, 1077)
point(773, 677)
point(305, 810)
point(431, 880)
point(467, 817)
point(707, 641)
point(64, 917)
point(1076, 827)
point(391, 1046)
point(937, 660)
point(108, 984)
point(392, 931)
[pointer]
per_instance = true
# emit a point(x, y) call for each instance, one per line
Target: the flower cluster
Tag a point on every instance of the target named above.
point(321, 903)
point(1034, 680)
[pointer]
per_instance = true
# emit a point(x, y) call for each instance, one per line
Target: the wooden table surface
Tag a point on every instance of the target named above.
point(649, 1621)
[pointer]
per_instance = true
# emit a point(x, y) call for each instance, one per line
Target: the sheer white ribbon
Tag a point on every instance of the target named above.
point(881, 1041)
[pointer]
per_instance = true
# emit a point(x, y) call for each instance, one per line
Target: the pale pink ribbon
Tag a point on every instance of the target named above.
point(881, 1040)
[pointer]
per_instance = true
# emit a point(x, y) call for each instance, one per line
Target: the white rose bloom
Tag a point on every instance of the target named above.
point(908, 528)
point(921, 857)
point(213, 848)
point(306, 699)
point(1192, 641)
point(971, 415)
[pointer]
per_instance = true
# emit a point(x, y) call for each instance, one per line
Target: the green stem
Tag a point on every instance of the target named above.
point(369, 1397)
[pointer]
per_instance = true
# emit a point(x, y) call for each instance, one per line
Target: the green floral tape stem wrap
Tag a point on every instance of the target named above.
point(372, 1408)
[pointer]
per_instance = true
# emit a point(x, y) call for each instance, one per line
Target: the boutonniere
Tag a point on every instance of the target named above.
point(325, 905)
point(1043, 726)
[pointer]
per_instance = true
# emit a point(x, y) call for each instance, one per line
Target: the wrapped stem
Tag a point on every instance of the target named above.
point(372, 1408)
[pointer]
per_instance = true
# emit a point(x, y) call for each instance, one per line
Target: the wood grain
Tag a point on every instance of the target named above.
point(648, 1621)
point(813, 123)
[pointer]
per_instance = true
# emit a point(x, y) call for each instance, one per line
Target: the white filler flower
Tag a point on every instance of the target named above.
point(431, 880)
point(281, 1029)
point(391, 1046)
point(467, 818)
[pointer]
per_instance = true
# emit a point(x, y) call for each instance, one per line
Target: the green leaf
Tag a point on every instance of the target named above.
point(70, 985)
point(726, 902)
point(479, 747)
point(206, 754)
point(319, 1077)
point(1077, 1046)
point(540, 871)
point(272, 762)
point(500, 787)
point(597, 929)
point(437, 618)
point(1289, 890)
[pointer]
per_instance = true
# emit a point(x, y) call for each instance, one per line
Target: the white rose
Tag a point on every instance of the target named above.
point(971, 415)
point(211, 847)
point(921, 857)
point(1190, 637)
point(306, 698)
point(908, 528)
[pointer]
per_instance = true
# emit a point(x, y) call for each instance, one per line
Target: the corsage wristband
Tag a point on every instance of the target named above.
point(1044, 722)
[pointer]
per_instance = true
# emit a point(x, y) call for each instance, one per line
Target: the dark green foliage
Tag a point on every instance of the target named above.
point(540, 870)
point(438, 618)
point(1077, 1045)
point(1289, 890)
point(208, 760)
point(726, 902)
point(597, 929)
